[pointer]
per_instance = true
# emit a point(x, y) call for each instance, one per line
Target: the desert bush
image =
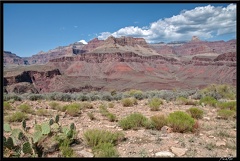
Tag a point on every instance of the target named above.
point(14, 97)
point(195, 112)
point(42, 112)
point(128, 102)
point(63, 97)
point(107, 97)
point(226, 114)
point(159, 121)
point(34, 97)
point(111, 117)
point(94, 137)
point(73, 109)
point(17, 117)
point(155, 103)
point(82, 97)
point(26, 108)
point(136, 94)
point(94, 96)
point(65, 149)
point(181, 100)
point(7, 106)
point(180, 121)
point(219, 91)
point(86, 105)
point(103, 110)
point(227, 105)
point(133, 121)
point(110, 105)
point(117, 96)
point(207, 100)
point(105, 150)
point(55, 105)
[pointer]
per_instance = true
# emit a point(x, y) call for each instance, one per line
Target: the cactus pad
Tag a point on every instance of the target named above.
point(27, 149)
point(7, 127)
point(45, 128)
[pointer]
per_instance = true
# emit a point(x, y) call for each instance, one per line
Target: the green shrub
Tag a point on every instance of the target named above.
point(136, 94)
point(208, 100)
point(73, 109)
point(110, 105)
point(14, 97)
point(7, 106)
point(34, 97)
point(55, 105)
point(195, 112)
point(129, 102)
point(94, 137)
point(82, 97)
point(159, 121)
point(219, 91)
point(65, 149)
point(227, 105)
point(17, 117)
point(105, 150)
point(226, 114)
point(154, 104)
point(182, 100)
point(107, 97)
point(133, 121)
point(103, 110)
point(26, 108)
point(180, 121)
point(111, 117)
point(86, 105)
point(42, 112)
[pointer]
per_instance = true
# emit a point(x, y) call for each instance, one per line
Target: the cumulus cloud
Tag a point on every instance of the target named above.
point(83, 41)
point(204, 22)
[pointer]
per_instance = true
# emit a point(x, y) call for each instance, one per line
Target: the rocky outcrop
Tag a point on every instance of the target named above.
point(231, 56)
point(93, 44)
point(128, 41)
point(11, 58)
point(40, 80)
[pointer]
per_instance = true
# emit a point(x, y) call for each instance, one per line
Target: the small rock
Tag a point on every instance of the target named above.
point(179, 151)
point(206, 118)
point(211, 136)
point(166, 129)
point(176, 142)
point(150, 151)
point(84, 153)
point(164, 154)
point(220, 143)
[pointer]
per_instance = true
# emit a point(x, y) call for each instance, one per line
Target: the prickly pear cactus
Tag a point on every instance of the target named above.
point(51, 122)
point(45, 128)
point(37, 136)
point(7, 127)
point(27, 148)
point(57, 119)
point(72, 126)
point(9, 143)
point(24, 125)
point(55, 128)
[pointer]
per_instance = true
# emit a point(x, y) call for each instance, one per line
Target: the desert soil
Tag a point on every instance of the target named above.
point(216, 137)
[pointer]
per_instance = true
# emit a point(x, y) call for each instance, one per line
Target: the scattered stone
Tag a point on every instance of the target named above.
point(164, 154)
point(176, 142)
point(108, 126)
point(179, 151)
point(211, 136)
point(220, 143)
point(84, 153)
point(150, 151)
point(206, 118)
point(200, 134)
point(166, 129)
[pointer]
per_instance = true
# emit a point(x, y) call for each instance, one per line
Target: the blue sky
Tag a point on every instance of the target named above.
point(31, 28)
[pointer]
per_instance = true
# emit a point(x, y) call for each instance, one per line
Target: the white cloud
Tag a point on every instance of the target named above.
point(204, 22)
point(83, 41)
